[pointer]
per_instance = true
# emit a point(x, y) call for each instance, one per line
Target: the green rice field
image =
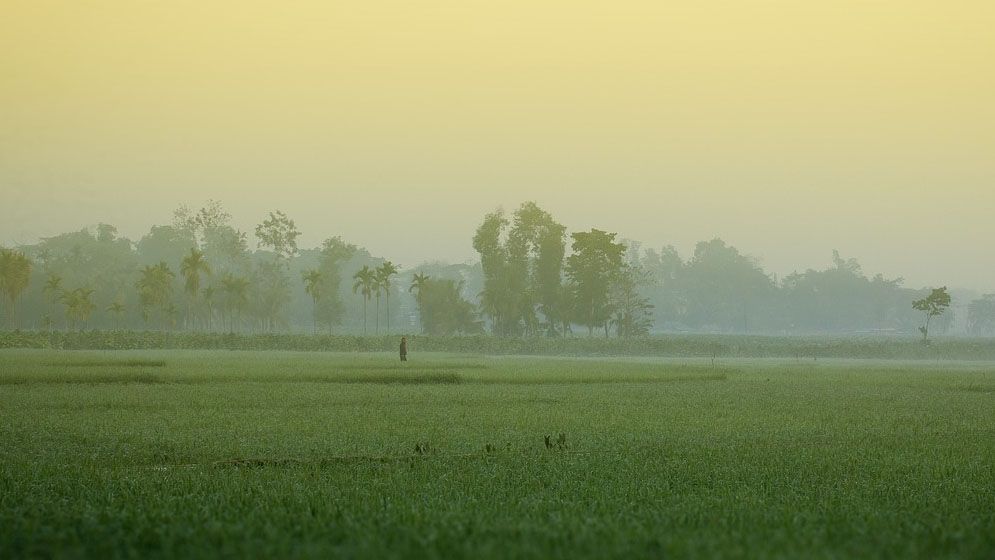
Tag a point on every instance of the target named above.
point(196, 454)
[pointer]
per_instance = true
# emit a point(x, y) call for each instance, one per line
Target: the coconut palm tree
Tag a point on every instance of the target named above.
point(365, 283)
point(78, 306)
point(191, 268)
point(15, 273)
point(418, 282)
point(384, 272)
point(117, 309)
point(155, 290)
point(312, 285)
point(52, 291)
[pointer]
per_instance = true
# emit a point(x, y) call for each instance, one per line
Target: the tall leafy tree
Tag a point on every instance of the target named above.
point(629, 308)
point(723, 288)
point(522, 261)
point(595, 261)
point(332, 256)
point(536, 247)
point(279, 234)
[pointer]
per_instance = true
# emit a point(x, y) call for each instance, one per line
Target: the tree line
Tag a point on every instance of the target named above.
point(533, 278)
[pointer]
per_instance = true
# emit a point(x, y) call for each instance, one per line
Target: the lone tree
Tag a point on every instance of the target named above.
point(932, 306)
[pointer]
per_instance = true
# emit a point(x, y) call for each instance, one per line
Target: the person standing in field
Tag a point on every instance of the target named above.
point(404, 348)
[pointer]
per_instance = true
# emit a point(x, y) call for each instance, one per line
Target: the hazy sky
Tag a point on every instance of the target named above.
point(788, 128)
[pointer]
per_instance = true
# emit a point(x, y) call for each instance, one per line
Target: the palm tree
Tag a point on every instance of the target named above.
point(312, 285)
point(384, 272)
point(53, 290)
point(236, 297)
point(191, 267)
point(418, 282)
point(84, 305)
point(78, 306)
point(155, 290)
point(69, 300)
point(117, 308)
point(15, 273)
point(365, 283)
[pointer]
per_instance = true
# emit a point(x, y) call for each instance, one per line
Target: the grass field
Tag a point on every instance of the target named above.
point(270, 454)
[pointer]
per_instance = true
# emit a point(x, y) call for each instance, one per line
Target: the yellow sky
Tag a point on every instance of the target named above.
point(789, 128)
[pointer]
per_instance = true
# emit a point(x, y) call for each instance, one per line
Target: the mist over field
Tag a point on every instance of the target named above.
point(469, 279)
point(787, 129)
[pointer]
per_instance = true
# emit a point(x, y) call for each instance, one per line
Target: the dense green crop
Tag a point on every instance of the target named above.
point(283, 454)
point(689, 345)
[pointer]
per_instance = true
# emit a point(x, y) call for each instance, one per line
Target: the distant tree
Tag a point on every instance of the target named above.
point(208, 295)
point(365, 282)
point(595, 261)
point(15, 274)
point(499, 298)
point(313, 286)
point(200, 223)
point(155, 292)
point(117, 309)
point(981, 315)
point(630, 309)
point(723, 287)
point(227, 249)
point(931, 306)
point(442, 309)
point(235, 290)
point(522, 261)
point(536, 247)
point(191, 267)
point(79, 306)
point(279, 234)
point(270, 292)
point(52, 290)
point(332, 256)
point(417, 283)
point(384, 272)
point(165, 244)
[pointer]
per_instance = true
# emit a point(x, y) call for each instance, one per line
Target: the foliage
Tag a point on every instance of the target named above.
point(365, 283)
point(521, 286)
point(522, 264)
point(931, 306)
point(981, 315)
point(630, 310)
point(442, 309)
point(279, 234)
point(15, 274)
point(155, 289)
point(595, 261)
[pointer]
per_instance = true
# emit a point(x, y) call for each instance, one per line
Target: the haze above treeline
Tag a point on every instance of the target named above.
point(788, 129)
point(534, 277)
